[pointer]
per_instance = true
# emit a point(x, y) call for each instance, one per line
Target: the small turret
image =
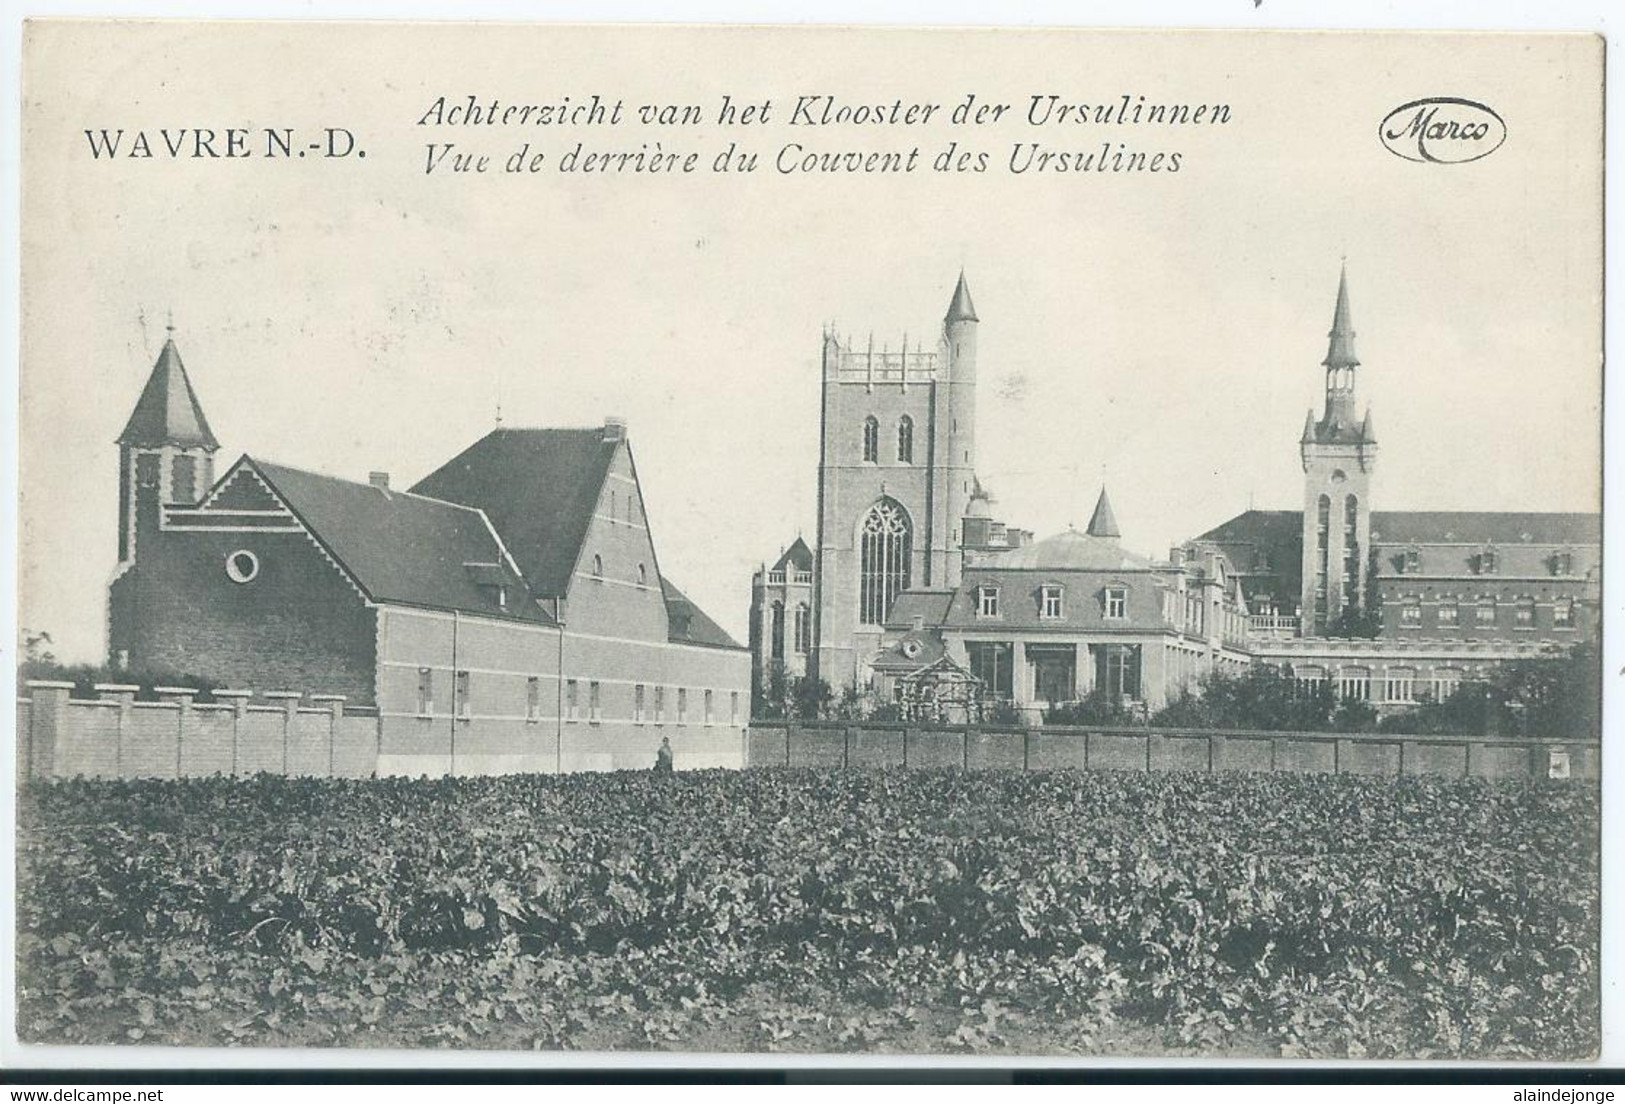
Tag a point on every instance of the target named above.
point(166, 451)
point(961, 309)
point(1103, 523)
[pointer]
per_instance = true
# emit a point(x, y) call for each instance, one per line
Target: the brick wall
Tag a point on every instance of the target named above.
point(119, 737)
point(299, 622)
point(871, 746)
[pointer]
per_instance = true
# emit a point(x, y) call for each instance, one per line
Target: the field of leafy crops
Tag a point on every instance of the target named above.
point(1018, 913)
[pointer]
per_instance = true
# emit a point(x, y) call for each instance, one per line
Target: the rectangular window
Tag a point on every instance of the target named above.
point(425, 691)
point(461, 690)
point(1524, 615)
point(1446, 681)
point(1117, 603)
point(1354, 684)
point(533, 699)
point(1486, 611)
point(733, 707)
point(572, 700)
point(1410, 614)
point(987, 601)
point(1051, 604)
point(1563, 614)
point(183, 480)
point(595, 703)
point(1448, 612)
point(637, 704)
point(708, 715)
point(991, 662)
point(682, 705)
point(1310, 679)
point(1401, 685)
point(660, 705)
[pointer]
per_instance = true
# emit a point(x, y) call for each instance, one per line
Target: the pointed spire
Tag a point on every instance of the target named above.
point(168, 413)
point(1103, 523)
point(1367, 433)
point(1308, 437)
point(1340, 352)
point(961, 309)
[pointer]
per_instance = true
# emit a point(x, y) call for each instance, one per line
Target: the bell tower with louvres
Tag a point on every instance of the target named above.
point(1339, 452)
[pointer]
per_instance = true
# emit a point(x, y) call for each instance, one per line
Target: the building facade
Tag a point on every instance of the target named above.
point(914, 581)
point(507, 613)
point(1388, 606)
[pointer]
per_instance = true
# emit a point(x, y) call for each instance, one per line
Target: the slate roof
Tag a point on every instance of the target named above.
point(1484, 527)
point(961, 309)
point(1272, 529)
point(1070, 551)
point(689, 624)
point(539, 488)
point(403, 547)
point(926, 645)
point(168, 413)
point(798, 556)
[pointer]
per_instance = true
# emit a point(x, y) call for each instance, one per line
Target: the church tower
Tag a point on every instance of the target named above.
point(166, 452)
point(1339, 452)
point(897, 452)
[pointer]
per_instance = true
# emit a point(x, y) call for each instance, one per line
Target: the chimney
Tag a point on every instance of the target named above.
point(379, 479)
point(614, 428)
point(1176, 556)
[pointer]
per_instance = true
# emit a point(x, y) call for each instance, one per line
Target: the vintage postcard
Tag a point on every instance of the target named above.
point(1020, 543)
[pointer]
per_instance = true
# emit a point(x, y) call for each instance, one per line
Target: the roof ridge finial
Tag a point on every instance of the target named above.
point(169, 323)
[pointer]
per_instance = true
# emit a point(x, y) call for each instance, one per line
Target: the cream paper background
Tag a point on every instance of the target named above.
point(1163, 331)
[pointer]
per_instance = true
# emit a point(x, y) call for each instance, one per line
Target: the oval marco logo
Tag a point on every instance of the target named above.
point(1442, 130)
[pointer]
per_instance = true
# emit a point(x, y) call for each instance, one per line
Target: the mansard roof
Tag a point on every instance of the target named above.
point(1485, 527)
point(1268, 530)
point(403, 547)
point(168, 413)
point(539, 487)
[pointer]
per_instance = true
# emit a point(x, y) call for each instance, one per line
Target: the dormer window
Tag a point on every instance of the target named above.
point(987, 601)
point(1049, 601)
point(1116, 603)
point(1563, 563)
point(1487, 562)
point(1412, 562)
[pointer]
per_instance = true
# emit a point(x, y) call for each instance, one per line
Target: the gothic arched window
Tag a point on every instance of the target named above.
point(883, 570)
point(777, 631)
point(905, 439)
point(871, 439)
point(803, 629)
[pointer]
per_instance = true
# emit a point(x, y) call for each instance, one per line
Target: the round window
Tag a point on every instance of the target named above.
point(242, 565)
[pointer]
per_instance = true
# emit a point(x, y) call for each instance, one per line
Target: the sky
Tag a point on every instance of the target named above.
point(1160, 333)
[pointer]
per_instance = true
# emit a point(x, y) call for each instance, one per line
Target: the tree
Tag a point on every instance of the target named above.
point(1101, 707)
point(1262, 697)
